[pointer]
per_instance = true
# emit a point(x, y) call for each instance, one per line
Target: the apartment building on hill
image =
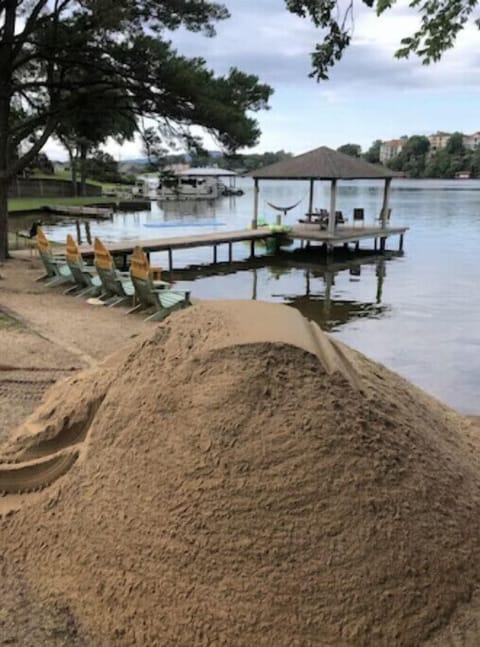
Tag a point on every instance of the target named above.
point(472, 142)
point(390, 149)
point(438, 141)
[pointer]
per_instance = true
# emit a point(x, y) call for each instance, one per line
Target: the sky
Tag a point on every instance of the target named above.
point(370, 94)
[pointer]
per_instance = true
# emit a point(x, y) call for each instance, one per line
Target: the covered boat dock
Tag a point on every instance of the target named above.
point(324, 164)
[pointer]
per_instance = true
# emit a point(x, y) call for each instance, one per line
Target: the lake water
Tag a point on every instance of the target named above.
point(418, 314)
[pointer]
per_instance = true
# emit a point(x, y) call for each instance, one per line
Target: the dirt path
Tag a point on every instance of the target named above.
point(46, 335)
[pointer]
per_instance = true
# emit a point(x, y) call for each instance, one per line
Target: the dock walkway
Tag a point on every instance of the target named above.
point(213, 239)
point(310, 233)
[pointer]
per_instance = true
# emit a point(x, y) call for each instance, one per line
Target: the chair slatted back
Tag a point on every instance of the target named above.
point(46, 254)
point(106, 269)
point(75, 262)
point(141, 279)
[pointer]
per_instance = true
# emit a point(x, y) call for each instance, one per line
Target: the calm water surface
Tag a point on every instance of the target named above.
point(419, 314)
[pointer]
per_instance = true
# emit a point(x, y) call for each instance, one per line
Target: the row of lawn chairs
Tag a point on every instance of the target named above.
point(106, 282)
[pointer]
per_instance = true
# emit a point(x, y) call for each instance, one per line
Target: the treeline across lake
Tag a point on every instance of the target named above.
point(419, 159)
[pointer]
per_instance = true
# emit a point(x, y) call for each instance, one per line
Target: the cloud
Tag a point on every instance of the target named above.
point(265, 39)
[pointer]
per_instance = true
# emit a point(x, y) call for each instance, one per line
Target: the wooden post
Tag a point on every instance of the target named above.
point(255, 204)
point(79, 233)
point(214, 254)
point(357, 245)
point(383, 240)
point(400, 243)
point(333, 204)
point(252, 247)
point(380, 280)
point(88, 233)
point(170, 260)
point(230, 252)
point(310, 201)
point(386, 200)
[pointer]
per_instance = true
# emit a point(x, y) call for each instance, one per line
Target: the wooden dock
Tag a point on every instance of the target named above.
point(310, 233)
point(345, 234)
point(100, 213)
point(169, 245)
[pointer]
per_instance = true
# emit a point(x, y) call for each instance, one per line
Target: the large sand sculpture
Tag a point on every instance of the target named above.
point(238, 479)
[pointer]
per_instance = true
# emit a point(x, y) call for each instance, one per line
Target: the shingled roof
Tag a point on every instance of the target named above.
point(322, 164)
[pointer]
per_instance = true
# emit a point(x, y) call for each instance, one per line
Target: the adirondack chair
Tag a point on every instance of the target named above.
point(87, 282)
point(152, 294)
point(117, 287)
point(57, 271)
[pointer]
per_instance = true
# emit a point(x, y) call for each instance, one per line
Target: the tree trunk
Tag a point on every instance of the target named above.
point(6, 58)
point(73, 168)
point(83, 169)
point(4, 220)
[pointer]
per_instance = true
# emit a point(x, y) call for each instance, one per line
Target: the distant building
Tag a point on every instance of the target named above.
point(390, 149)
point(438, 141)
point(61, 167)
point(463, 175)
point(472, 142)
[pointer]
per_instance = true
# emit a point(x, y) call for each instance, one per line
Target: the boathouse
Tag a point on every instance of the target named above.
point(326, 165)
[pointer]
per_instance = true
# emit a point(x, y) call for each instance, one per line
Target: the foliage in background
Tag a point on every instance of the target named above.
point(354, 150)
point(56, 54)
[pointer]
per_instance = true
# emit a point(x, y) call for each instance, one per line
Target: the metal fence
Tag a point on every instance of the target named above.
point(43, 188)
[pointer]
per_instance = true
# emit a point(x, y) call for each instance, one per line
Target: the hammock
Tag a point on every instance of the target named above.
point(284, 209)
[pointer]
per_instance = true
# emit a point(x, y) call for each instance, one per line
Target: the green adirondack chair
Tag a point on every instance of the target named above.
point(57, 270)
point(87, 281)
point(152, 294)
point(117, 287)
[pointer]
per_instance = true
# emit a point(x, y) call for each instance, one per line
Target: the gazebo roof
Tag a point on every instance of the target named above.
point(322, 164)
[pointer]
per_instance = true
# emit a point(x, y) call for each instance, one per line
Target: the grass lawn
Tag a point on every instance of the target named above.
point(24, 204)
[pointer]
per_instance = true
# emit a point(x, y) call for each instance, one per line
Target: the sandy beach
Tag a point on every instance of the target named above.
point(231, 476)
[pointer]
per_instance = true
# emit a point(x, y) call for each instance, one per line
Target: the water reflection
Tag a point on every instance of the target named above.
point(315, 289)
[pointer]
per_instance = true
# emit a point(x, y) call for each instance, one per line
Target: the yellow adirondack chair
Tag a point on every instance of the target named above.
point(152, 294)
point(117, 286)
point(85, 276)
point(57, 271)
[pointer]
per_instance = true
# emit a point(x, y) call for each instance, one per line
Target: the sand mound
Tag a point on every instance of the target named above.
point(239, 479)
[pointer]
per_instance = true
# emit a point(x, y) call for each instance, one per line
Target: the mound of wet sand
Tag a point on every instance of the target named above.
point(237, 479)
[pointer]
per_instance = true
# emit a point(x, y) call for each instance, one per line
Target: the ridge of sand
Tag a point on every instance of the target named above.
point(239, 479)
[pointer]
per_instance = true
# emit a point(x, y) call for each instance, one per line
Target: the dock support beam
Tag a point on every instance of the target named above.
point(255, 204)
point(400, 243)
point(333, 205)
point(252, 247)
point(214, 254)
point(230, 252)
point(170, 260)
point(310, 201)
point(382, 244)
point(386, 200)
